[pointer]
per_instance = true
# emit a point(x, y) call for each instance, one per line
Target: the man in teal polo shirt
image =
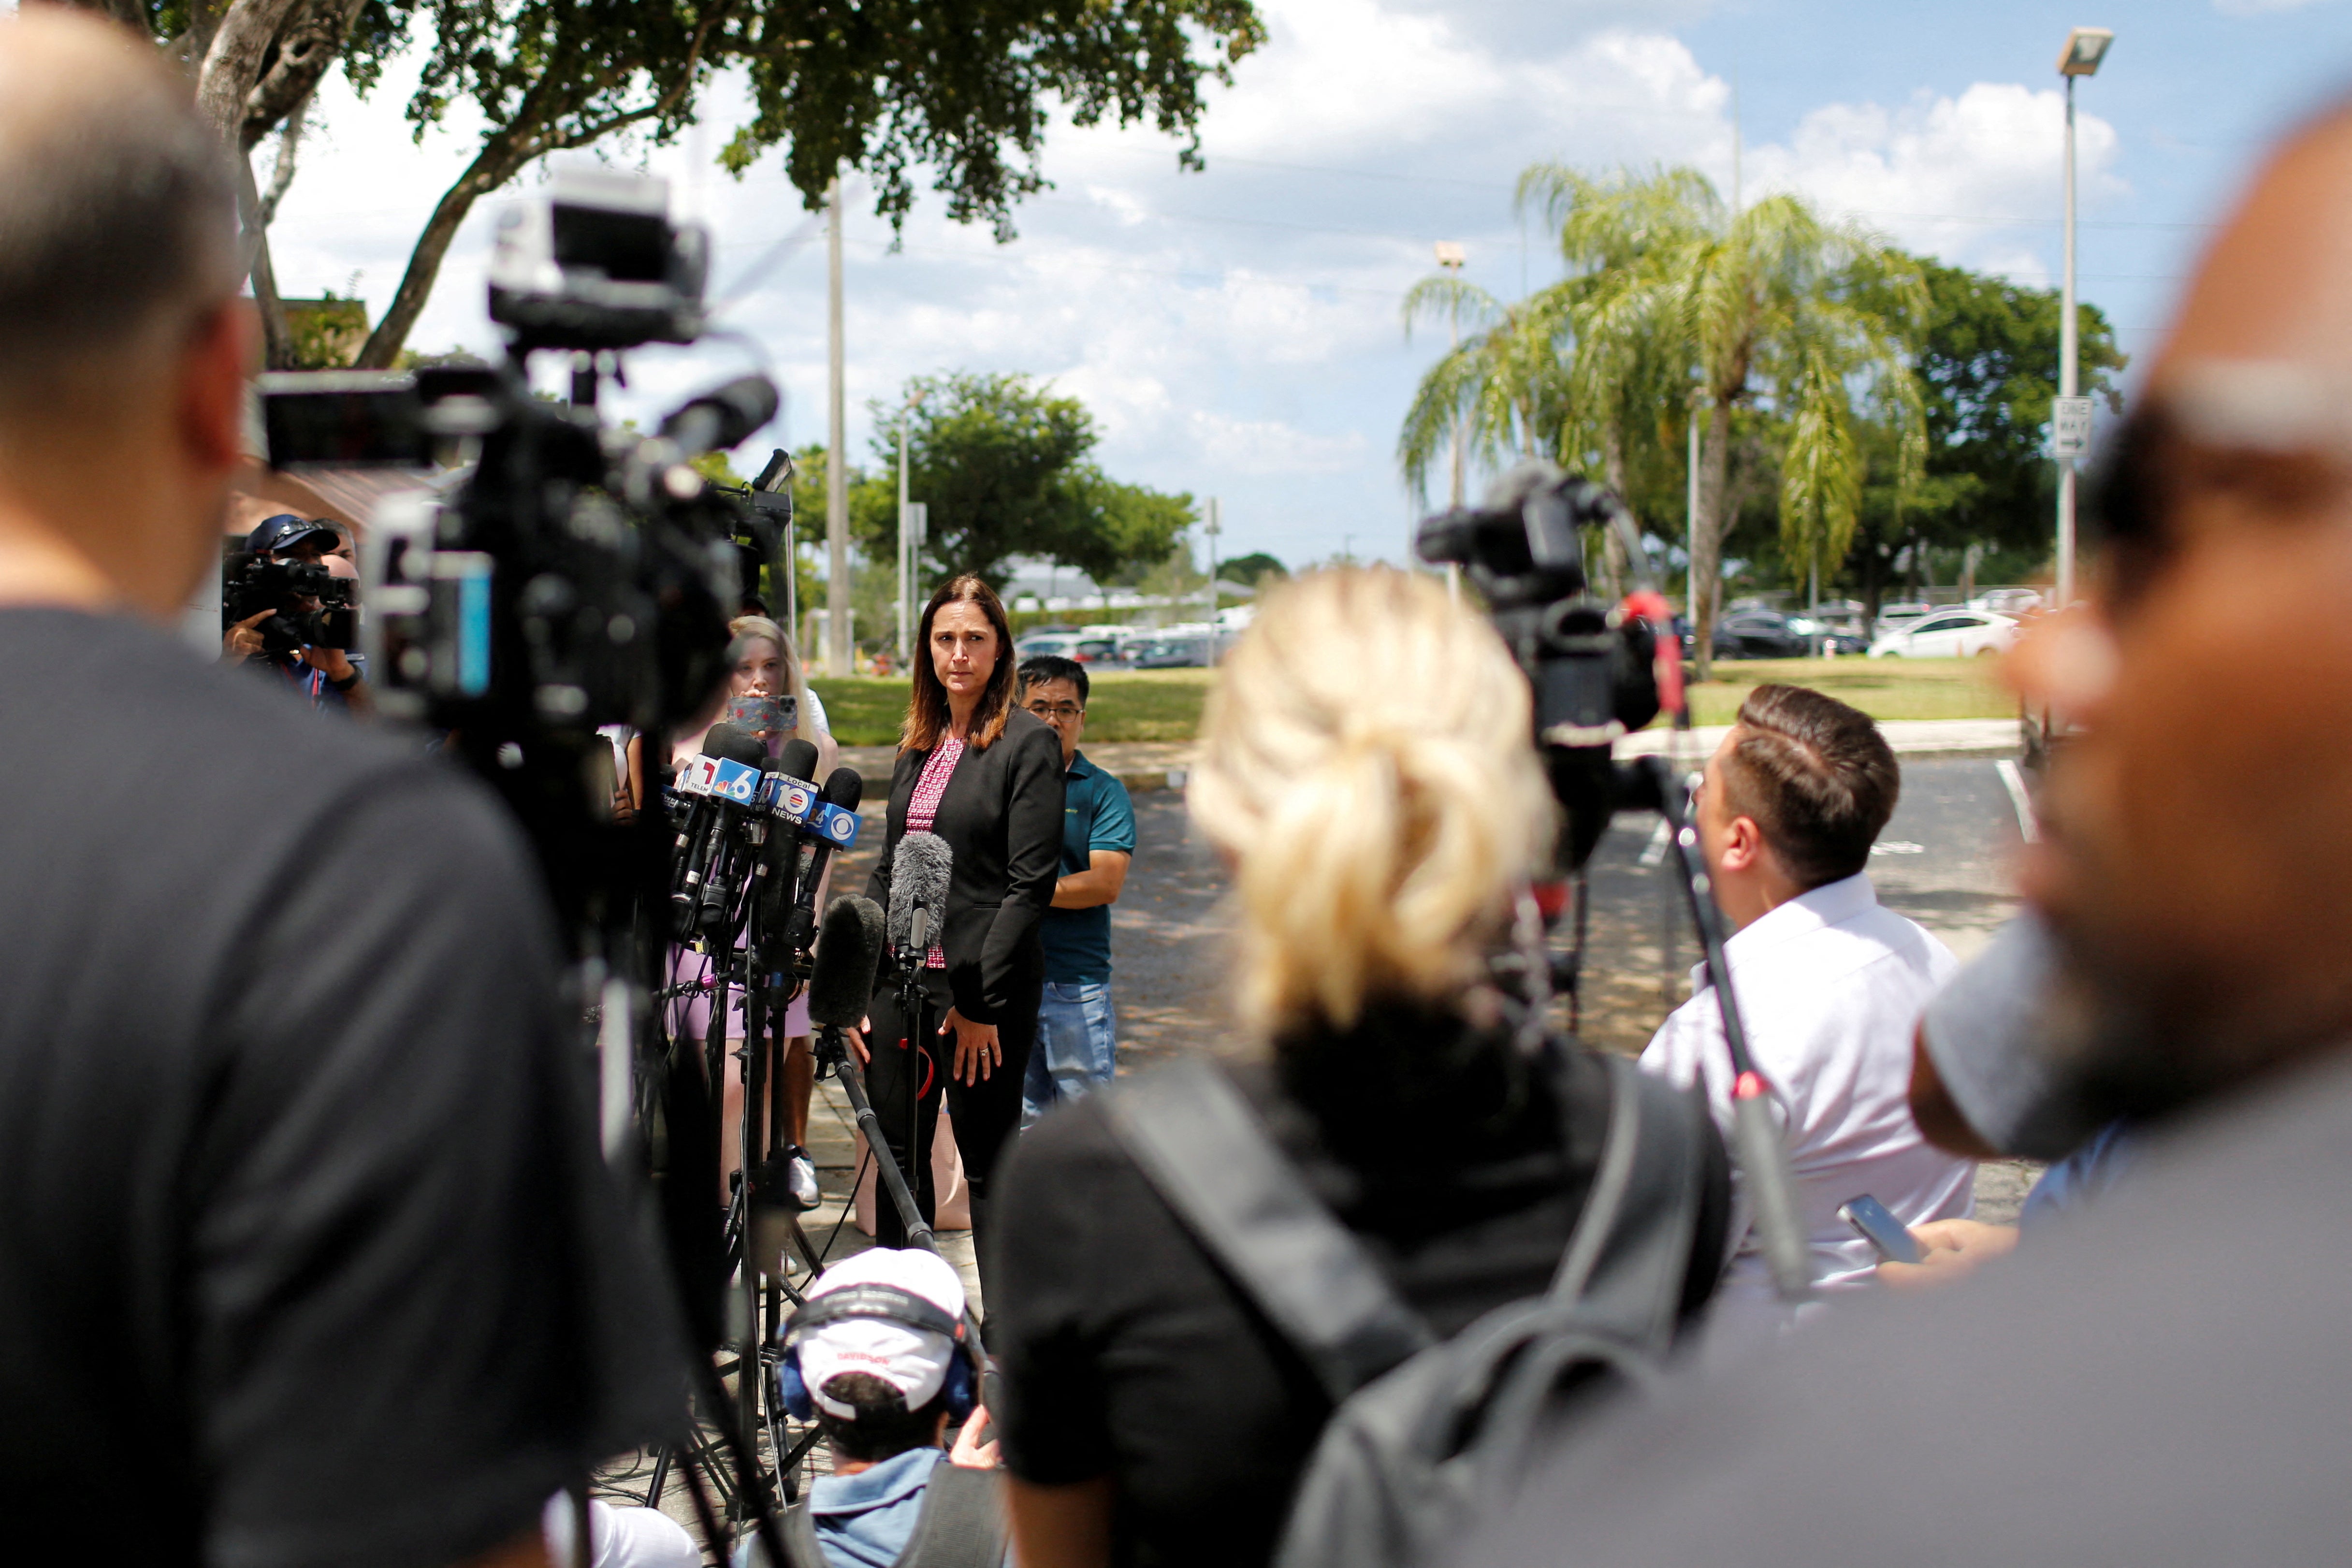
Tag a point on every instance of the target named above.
point(1077, 1029)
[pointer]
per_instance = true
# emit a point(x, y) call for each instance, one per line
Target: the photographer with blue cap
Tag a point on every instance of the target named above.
point(277, 633)
point(879, 1358)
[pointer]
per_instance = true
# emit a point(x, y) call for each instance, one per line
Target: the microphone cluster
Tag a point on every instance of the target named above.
point(725, 858)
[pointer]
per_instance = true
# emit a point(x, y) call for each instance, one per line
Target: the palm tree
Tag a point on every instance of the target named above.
point(1773, 306)
point(1501, 390)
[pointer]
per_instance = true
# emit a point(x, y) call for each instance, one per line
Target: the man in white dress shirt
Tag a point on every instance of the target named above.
point(1831, 986)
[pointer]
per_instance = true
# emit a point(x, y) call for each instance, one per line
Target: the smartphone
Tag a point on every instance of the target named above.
point(1880, 1228)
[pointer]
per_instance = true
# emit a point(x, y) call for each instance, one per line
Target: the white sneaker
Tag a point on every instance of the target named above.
point(800, 1179)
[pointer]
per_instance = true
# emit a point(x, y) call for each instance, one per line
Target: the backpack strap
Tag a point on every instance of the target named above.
point(798, 1538)
point(1209, 1157)
point(960, 1523)
point(1625, 1265)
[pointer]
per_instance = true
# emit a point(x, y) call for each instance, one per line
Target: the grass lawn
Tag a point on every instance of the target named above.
point(1882, 688)
point(1165, 704)
point(1124, 705)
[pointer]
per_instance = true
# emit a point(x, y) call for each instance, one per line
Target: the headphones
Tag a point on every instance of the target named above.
point(960, 1386)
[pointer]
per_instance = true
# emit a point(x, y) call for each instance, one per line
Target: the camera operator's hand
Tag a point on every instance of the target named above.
point(1950, 1250)
point(975, 1449)
point(243, 640)
point(333, 660)
point(978, 1051)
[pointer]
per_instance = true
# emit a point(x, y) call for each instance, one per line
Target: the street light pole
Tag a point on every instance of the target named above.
point(836, 453)
point(1211, 530)
point(904, 605)
point(2085, 47)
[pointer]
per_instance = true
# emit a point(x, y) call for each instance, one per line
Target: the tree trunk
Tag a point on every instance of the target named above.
point(1614, 567)
point(503, 157)
point(307, 43)
point(1707, 545)
point(233, 60)
point(277, 337)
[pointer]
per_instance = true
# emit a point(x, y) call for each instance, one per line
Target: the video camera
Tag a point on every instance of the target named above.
point(566, 576)
point(1601, 671)
point(251, 584)
point(1595, 666)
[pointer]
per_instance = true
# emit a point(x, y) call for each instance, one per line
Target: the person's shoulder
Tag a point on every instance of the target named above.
point(120, 681)
point(2128, 1329)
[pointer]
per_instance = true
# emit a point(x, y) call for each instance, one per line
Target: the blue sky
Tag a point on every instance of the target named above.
point(1236, 332)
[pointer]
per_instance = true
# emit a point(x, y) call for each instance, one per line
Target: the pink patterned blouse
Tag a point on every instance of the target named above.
point(923, 808)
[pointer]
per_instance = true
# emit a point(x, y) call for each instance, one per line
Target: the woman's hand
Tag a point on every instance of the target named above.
point(856, 1038)
point(978, 1051)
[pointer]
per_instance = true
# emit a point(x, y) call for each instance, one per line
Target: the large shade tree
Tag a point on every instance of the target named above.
point(962, 88)
point(1005, 465)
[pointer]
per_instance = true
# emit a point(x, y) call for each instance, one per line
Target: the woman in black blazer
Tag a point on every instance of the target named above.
point(986, 777)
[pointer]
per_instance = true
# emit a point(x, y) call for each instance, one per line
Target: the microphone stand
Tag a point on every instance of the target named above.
point(1761, 1152)
point(832, 1053)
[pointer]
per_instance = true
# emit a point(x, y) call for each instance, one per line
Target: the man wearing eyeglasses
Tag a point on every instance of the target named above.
point(2163, 1379)
point(1077, 1028)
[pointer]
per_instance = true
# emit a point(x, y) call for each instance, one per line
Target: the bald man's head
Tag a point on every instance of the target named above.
point(2197, 854)
point(117, 211)
point(2277, 283)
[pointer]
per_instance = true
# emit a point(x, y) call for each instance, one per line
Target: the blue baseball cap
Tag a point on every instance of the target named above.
point(283, 531)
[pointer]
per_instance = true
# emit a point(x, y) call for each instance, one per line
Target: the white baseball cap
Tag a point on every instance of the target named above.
point(911, 1360)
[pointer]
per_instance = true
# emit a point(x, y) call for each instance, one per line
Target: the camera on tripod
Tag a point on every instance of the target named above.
point(579, 576)
point(313, 608)
point(1593, 665)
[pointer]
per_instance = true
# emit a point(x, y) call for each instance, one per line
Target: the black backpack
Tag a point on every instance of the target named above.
point(1426, 1438)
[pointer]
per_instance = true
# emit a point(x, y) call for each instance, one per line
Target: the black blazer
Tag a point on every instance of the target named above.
point(1001, 815)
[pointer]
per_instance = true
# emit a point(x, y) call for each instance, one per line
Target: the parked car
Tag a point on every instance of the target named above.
point(1768, 634)
point(1057, 645)
point(2012, 602)
point(1947, 634)
point(1191, 652)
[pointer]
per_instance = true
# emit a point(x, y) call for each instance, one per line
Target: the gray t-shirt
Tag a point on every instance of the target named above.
point(2160, 1379)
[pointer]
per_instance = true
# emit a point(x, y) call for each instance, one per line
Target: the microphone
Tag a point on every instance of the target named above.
point(919, 895)
point(723, 416)
point(848, 952)
point(779, 854)
point(715, 820)
point(843, 790)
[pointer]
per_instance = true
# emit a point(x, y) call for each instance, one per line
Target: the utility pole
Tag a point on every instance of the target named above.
point(836, 453)
point(1452, 256)
point(1211, 530)
point(906, 539)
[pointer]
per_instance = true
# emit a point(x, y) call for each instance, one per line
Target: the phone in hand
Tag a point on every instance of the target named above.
point(1879, 1226)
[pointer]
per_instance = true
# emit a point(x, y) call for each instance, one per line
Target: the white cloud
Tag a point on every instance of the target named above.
point(1236, 332)
point(1958, 176)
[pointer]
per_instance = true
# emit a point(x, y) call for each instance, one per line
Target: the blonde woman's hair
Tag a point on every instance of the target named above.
point(796, 681)
point(1365, 761)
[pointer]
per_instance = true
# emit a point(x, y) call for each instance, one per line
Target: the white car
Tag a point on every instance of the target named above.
point(1947, 634)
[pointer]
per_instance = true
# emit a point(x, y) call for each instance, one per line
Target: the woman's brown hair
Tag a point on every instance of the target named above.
point(927, 705)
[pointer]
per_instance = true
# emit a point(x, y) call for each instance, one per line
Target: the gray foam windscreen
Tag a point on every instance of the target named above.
point(919, 880)
point(848, 952)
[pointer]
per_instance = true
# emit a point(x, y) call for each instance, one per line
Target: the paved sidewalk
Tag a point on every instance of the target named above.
point(1144, 766)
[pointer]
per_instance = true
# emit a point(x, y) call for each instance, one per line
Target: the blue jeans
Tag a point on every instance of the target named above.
point(1077, 1046)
